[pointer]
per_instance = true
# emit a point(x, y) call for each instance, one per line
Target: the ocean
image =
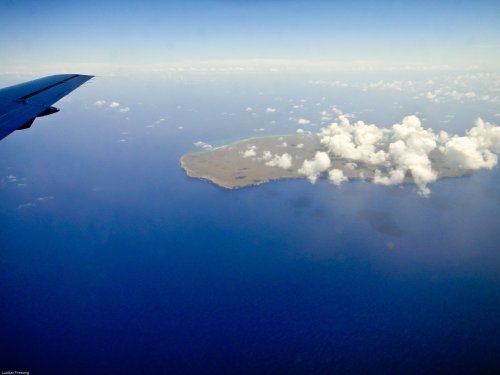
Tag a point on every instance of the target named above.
point(113, 261)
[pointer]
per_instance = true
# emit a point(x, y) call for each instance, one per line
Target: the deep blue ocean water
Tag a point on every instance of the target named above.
point(114, 261)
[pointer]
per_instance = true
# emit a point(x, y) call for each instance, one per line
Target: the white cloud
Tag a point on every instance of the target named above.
point(356, 142)
point(410, 151)
point(337, 111)
point(336, 177)
point(486, 135)
point(351, 166)
point(249, 152)
point(282, 161)
point(114, 105)
point(303, 121)
point(476, 149)
point(300, 131)
point(394, 177)
point(300, 145)
point(100, 103)
point(392, 85)
point(124, 109)
point(430, 95)
point(249, 109)
point(409, 148)
point(203, 145)
point(270, 110)
point(405, 148)
point(267, 155)
point(464, 153)
point(313, 168)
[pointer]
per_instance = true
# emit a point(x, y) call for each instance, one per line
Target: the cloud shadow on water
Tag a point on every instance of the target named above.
point(382, 222)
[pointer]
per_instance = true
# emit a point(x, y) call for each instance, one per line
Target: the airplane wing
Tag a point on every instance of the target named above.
point(21, 104)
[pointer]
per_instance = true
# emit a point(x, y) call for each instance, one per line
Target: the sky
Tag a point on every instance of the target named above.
point(156, 33)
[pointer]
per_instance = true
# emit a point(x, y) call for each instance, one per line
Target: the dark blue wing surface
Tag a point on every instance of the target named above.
point(21, 104)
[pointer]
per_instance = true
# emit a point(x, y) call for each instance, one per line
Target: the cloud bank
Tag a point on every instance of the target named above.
point(402, 150)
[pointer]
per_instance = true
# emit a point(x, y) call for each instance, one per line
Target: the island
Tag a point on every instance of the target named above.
point(259, 160)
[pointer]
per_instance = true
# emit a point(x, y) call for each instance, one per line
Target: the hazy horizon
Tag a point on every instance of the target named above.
point(151, 34)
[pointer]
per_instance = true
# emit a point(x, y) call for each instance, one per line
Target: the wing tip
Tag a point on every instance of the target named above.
point(85, 76)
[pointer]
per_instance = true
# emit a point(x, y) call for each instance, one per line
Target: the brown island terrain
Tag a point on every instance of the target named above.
point(253, 162)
